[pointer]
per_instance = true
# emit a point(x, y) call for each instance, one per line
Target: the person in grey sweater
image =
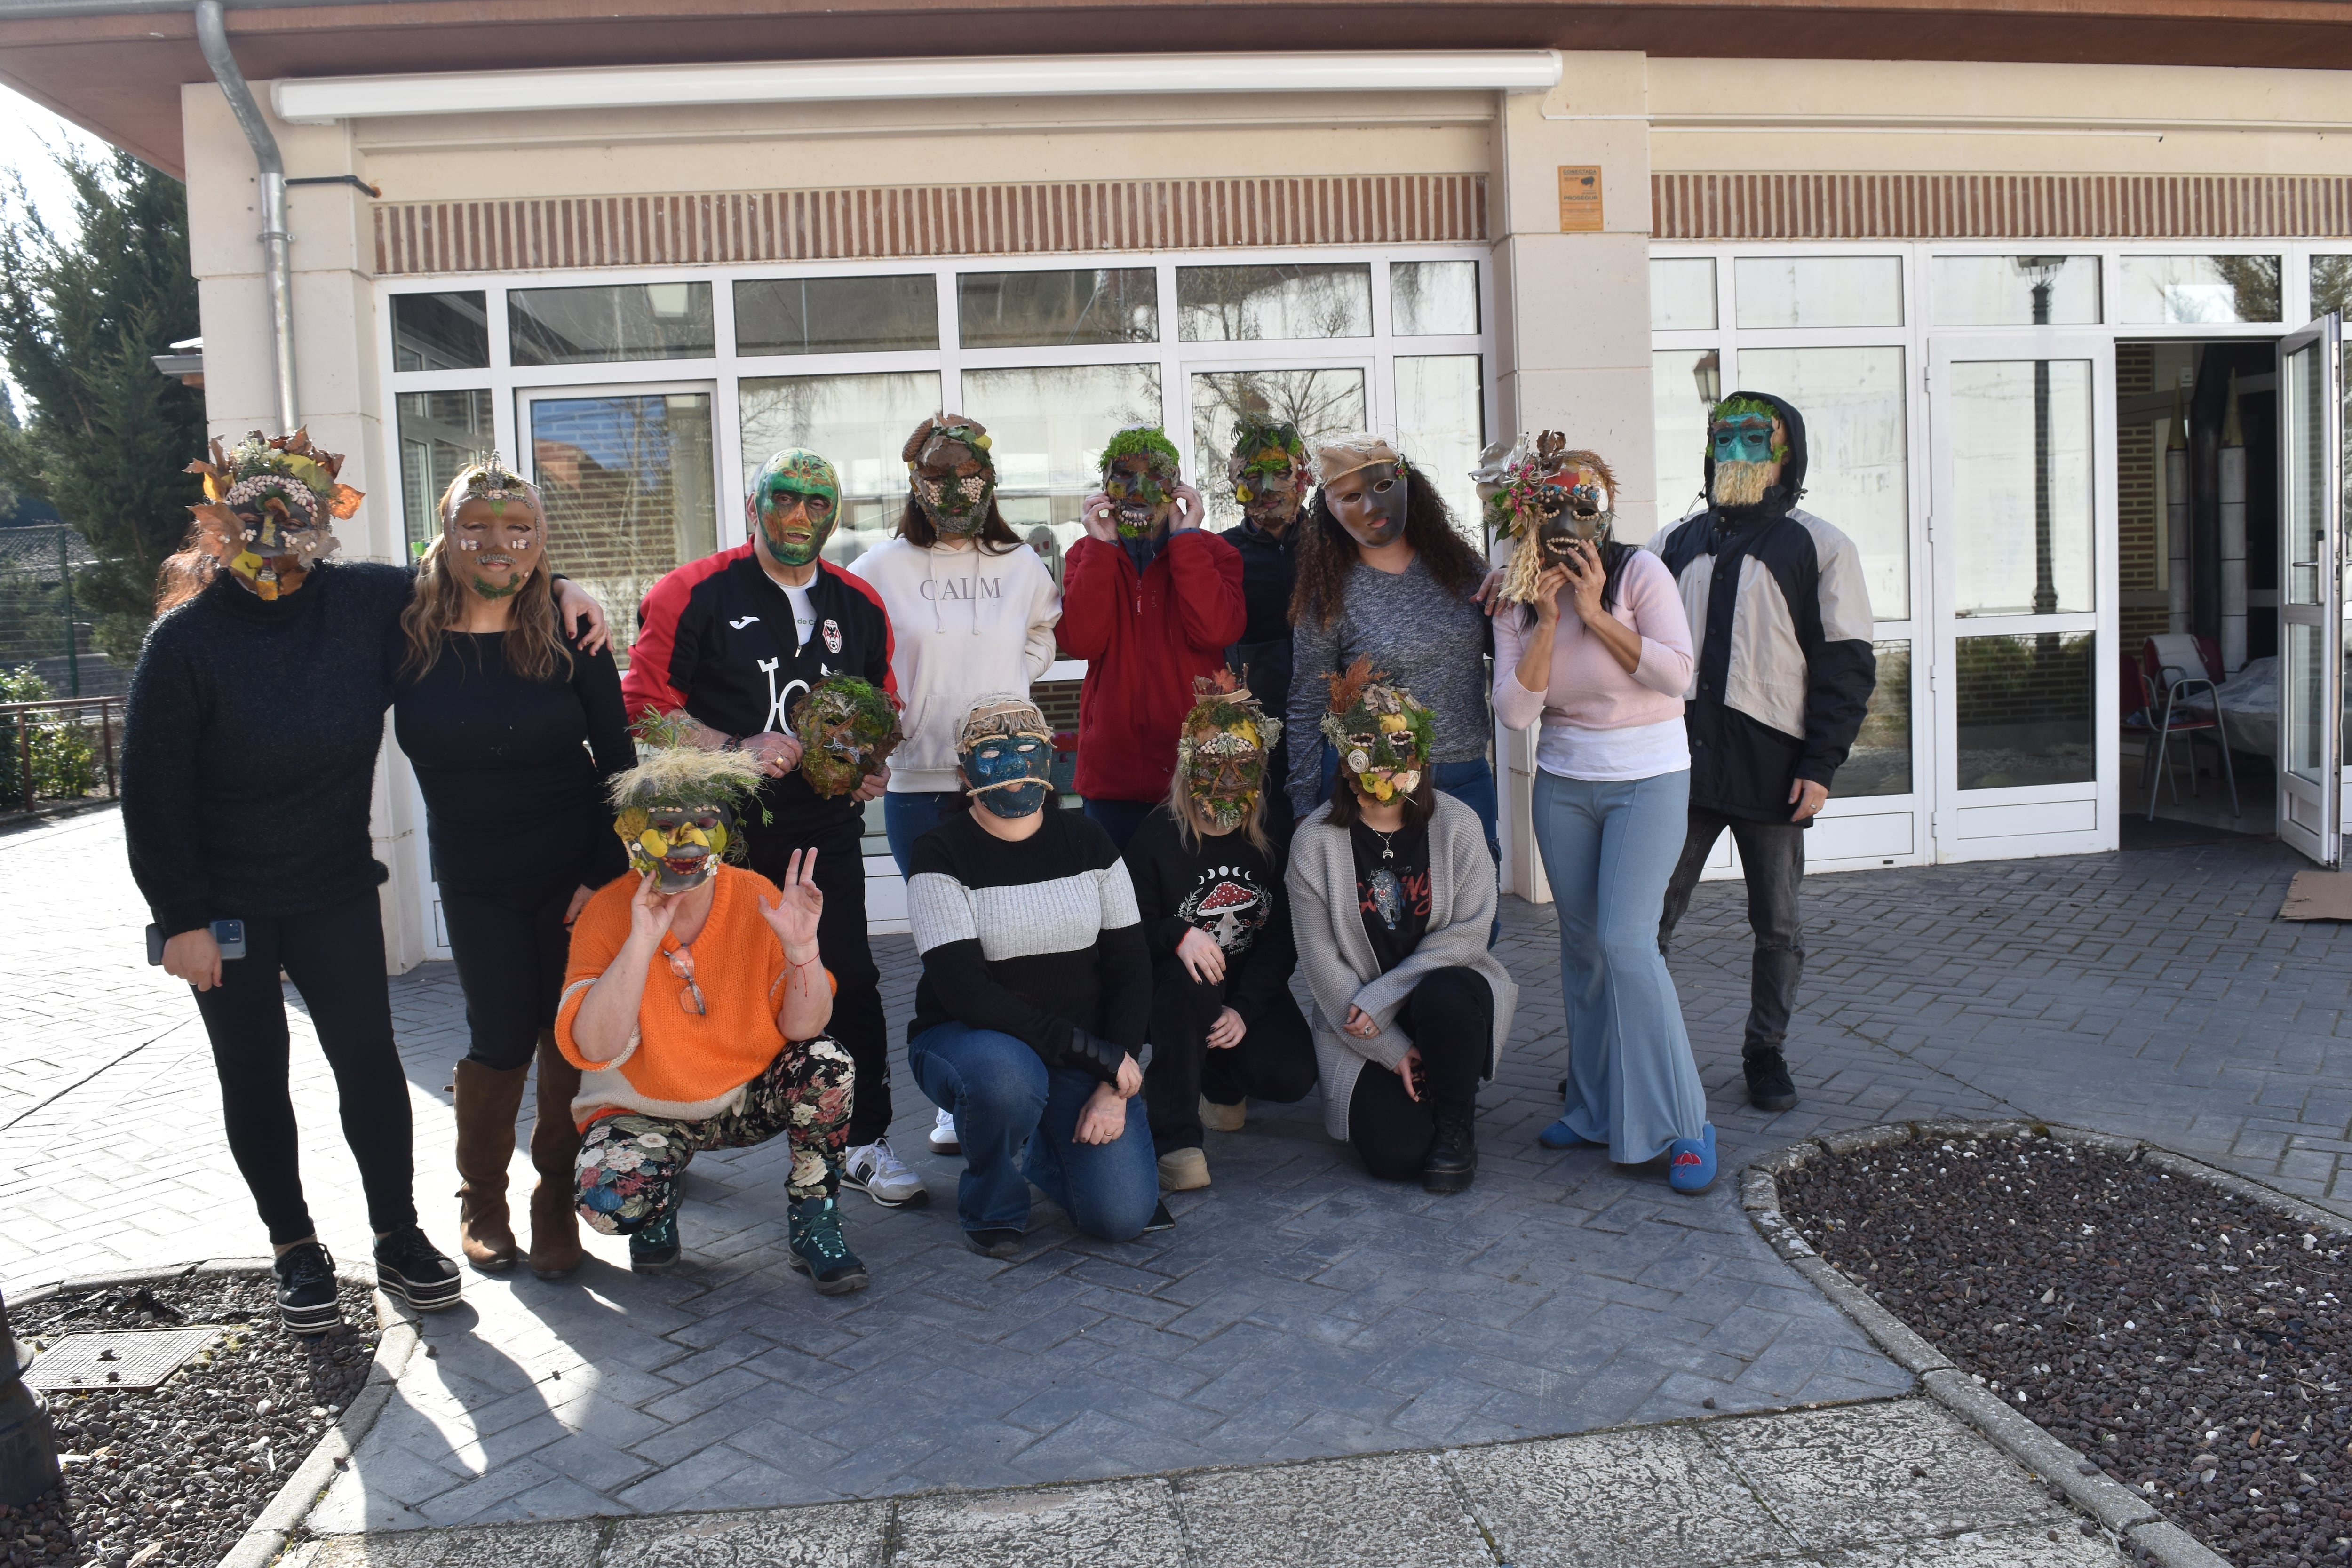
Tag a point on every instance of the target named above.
point(1383, 574)
point(1391, 897)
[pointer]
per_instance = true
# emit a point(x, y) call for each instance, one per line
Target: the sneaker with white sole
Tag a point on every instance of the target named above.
point(943, 1135)
point(874, 1169)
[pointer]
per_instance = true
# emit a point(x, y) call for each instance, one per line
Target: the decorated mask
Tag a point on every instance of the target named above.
point(1364, 485)
point(677, 809)
point(1222, 750)
point(796, 501)
point(1553, 495)
point(266, 512)
point(1007, 754)
point(846, 730)
point(1383, 736)
point(491, 523)
point(952, 475)
point(1268, 468)
point(1749, 446)
point(1140, 470)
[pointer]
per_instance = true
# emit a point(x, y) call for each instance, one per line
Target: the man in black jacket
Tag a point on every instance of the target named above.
point(1781, 629)
point(1269, 470)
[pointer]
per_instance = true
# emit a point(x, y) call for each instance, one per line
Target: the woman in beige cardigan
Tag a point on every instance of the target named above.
point(1392, 893)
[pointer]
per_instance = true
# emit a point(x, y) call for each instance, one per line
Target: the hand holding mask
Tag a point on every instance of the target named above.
point(267, 508)
point(1142, 473)
point(847, 729)
point(1222, 751)
point(1553, 500)
point(951, 474)
point(1007, 751)
point(1384, 737)
point(677, 810)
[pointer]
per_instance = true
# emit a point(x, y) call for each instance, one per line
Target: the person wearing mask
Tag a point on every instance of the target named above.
point(512, 734)
point(1224, 1028)
point(1392, 894)
point(1033, 996)
point(1593, 642)
point(1150, 602)
point(729, 646)
point(1271, 474)
point(248, 764)
point(1779, 614)
point(1383, 574)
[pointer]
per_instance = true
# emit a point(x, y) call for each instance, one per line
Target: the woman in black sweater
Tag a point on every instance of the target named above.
point(512, 734)
point(249, 761)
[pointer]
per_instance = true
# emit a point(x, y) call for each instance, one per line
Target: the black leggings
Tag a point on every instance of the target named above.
point(510, 964)
point(335, 957)
point(858, 1021)
point(1450, 1017)
point(1275, 1058)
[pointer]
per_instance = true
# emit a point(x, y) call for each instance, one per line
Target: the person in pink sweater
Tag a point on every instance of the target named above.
point(1591, 640)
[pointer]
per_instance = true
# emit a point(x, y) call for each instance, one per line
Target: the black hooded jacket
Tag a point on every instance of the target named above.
point(1780, 614)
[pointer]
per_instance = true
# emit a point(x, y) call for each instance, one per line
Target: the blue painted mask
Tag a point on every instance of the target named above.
point(1007, 752)
point(1744, 439)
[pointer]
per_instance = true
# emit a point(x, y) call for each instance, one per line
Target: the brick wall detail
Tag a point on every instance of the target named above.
point(1998, 207)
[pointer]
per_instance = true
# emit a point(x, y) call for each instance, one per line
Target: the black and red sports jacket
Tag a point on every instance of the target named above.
point(715, 638)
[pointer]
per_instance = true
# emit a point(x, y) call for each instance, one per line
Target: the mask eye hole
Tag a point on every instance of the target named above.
point(1383, 486)
point(1025, 747)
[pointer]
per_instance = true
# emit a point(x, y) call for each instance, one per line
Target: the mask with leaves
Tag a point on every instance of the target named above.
point(847, 731)
point(1384, 738)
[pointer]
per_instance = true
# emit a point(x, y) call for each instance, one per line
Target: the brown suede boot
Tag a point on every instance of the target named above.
point(487, 1098)
point(555, 1248)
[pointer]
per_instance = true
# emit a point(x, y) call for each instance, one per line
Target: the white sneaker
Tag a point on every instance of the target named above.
point(881, 1175)
point(943, 1135)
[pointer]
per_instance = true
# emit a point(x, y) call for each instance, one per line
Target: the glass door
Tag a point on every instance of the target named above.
point(2312, 458)
point(2022, 529)
point(1324, 399)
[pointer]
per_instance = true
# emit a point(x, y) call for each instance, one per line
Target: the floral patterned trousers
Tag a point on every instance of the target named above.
point(631, 1166)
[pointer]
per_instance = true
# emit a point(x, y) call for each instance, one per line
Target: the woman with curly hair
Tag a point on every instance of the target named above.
point(1383, 574)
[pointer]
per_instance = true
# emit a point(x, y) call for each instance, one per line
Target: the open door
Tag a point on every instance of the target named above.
point(2311, 612)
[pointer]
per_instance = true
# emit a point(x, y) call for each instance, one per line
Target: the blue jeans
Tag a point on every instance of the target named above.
point(1119, 818)
point(1471, 783)
point(907, 816)
point(1608, 848)
point(1003, 1098)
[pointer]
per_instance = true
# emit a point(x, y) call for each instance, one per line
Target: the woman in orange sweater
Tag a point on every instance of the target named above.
point(723, 1047)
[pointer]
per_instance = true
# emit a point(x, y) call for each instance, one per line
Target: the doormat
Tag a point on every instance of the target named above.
point(138, 1359)
point(2318, 896)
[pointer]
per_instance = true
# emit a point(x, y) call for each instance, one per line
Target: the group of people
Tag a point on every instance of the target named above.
point(652, 884)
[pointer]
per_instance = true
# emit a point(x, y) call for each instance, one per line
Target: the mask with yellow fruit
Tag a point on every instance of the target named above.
point(682, 845)
point(679, 809)
point(1222, 751)
point(268, 510)
point(1382, 736)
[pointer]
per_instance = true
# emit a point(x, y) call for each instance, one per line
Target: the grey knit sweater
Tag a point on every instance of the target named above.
point(1336, 956)
point(1430, 642)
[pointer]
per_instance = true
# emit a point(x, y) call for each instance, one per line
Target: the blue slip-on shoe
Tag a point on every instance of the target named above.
point(1690, 1162)
point(1557, 1136)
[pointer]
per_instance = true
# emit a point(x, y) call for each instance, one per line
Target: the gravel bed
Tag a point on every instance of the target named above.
point(2194, 1345)
point(171, 1476)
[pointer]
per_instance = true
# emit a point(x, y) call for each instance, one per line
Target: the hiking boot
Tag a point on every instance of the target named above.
point(874, 1169)
point(654, 1249)
point(555, 1249)
point(1453, 1161)
point(412, 1268)
point(487, 1100)
point(1224, 1118)
point(1769, 1087)
point(819, 1249)
point(1184, 1171)
point(306, 1289)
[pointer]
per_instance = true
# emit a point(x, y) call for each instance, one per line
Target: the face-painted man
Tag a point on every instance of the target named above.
point(267, 509)
point(951, 474)
point(1749, 446)
point(795, 501)
point(1268, 468)
point(846, 730)
point(1005, 750)
point(1222, 751)
point(677, 810)
point(1383, 736)
point(1363, 482)
point(494, 529)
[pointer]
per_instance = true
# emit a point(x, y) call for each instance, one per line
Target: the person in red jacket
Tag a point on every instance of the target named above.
point(1149, 601)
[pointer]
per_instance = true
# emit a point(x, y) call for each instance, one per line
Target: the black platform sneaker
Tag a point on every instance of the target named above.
point(411, 1267)
point(306, 1289)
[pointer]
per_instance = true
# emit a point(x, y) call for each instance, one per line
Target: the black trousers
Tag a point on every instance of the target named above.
point(1275, 1058)
point(335, 957)
point(1450, 1017)
point(510, 965)
point(858, 1021)
point(1772, 858)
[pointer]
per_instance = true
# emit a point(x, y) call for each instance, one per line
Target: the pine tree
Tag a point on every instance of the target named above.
point(105, 435)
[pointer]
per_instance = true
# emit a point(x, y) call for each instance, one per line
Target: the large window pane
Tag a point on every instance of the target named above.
point(1441, 424)
point(1321, 403)
point(440, 434)
point(2022, 487)
point(1048, 425)
point(2173, 290)
point(1684, 386)
point(1038, 309)
point(2306, 701)
point(859, 423)
point(440, 332)
point(1880, 763)
point(2023, 709)
point(1233, 304)
point(1857, 471)
point(836, 315)
point(1682, 293)
point(2017, 291)
point(610, 322)
point(1818, 290)
point(627, 481)
point(1431, 298)
point(2331, 285)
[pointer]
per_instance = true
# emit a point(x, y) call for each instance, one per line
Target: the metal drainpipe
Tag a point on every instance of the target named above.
point(277, 262)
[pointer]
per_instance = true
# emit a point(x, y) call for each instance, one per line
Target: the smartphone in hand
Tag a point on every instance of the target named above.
point(227, 935)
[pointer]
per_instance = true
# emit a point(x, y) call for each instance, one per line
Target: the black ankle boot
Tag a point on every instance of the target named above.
point(1769, 1087)
point(1453, 1162)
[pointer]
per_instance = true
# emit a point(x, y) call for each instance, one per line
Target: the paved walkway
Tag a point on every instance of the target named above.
point(1298, 1311)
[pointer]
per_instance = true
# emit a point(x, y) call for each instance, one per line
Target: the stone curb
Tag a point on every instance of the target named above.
point(2126, 1513)
point(267, 1535)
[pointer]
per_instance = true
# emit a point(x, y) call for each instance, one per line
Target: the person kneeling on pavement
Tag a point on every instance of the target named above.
point(719, 1045)
point(1224, 1028)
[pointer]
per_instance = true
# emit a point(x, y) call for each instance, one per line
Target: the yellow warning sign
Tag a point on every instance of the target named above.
point(1579, 198)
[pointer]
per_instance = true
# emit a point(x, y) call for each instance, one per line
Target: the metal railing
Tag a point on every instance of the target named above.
point(58, 751)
